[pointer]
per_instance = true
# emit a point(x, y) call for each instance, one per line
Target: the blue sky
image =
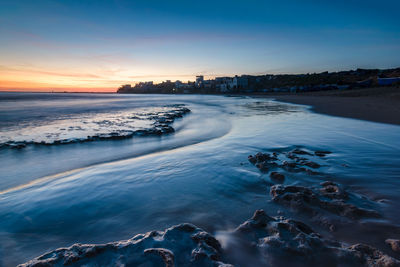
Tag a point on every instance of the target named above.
point(101, 44)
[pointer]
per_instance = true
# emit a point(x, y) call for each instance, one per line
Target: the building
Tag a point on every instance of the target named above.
point(199, 81)
point(241, 82)
point(145, 84)
point(229, 84)
point(223, 84)
point(180, 85)
point(209, 83)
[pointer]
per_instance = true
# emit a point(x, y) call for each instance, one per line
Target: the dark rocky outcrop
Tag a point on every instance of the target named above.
point(285, 242)
point(271, 241)
point(327, 204)
point(181, 245)
point(161, 125)
point(295, 160)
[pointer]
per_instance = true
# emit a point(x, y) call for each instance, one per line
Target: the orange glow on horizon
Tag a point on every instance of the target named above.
point(43, 80)
point(47, 87)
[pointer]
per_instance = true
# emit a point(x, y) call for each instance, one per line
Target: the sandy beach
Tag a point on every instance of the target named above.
point(373, 104)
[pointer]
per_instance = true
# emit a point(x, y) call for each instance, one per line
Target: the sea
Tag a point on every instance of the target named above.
point(97, 168)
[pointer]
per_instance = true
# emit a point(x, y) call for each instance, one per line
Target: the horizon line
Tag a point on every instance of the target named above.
point(114, 89)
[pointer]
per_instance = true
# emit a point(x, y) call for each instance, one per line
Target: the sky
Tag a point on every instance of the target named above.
point(97, 45)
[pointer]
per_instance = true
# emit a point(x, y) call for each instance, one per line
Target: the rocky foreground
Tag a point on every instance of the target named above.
point(262, 240)
point(273, 241)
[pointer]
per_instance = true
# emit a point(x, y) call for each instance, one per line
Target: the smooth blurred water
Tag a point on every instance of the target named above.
point(200, 174)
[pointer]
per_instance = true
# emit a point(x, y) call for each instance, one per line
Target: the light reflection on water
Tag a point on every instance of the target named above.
point(210, 184)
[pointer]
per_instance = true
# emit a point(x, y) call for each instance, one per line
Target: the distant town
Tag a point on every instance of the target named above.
point(269, 83)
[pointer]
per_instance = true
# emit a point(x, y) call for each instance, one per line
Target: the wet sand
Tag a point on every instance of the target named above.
point(372, 104)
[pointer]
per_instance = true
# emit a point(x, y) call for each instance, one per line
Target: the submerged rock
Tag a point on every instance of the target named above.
point(289, 161)
point(181, 245)
point(322, 153)
point(277, 176)
point(311, 164)
point(332, 190)
point(261, 157)
point(300, 152)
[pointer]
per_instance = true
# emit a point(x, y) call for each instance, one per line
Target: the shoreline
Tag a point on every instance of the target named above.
point(380, 105)
point(377, 104)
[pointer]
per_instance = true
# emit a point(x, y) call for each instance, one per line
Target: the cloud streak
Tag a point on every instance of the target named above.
point(48, 73)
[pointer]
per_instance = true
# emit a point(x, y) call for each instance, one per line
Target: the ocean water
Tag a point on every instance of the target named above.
point(55, 193)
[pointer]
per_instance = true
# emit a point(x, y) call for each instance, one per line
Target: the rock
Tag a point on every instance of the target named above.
point(165, 254)
point(17, 145)
point(284, 242)
point(289, 165)
point(277, 176)
point(322, 153)
point(261, 157)
point(313, 202)
point(180, 245)
point(373, 257)
point(288, 161)
point(311, 164)
point(162, 125)
point(394, 244)
point(271, 241)
point(333, 190)
point(252, 159)
point(300, 152)
point(210, 247)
